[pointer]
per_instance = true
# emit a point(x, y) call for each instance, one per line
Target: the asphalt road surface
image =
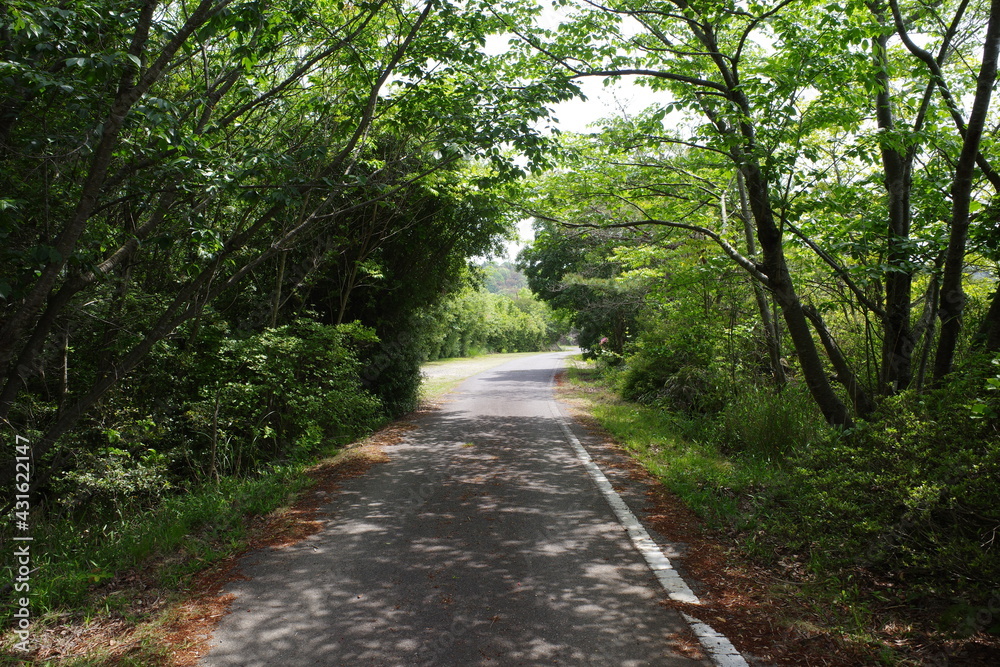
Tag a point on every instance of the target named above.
point(483, 541)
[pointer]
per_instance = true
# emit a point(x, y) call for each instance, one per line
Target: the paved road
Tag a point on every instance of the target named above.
point(483, 541)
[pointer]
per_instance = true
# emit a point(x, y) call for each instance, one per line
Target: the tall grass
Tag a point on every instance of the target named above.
point(185, 533)
point(762, 423)
point(684, 452)
point(875, 525)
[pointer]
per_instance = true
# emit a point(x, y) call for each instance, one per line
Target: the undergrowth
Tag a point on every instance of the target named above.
point(888, 525)
point(80, 566)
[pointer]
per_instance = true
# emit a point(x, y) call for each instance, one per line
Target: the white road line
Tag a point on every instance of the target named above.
point(672, 582)
point(718, 647)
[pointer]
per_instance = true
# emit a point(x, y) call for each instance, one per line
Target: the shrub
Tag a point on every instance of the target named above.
point(392, 371)
point(284, 394)
point(912, 493)
point(112, 480)
point(655, 379)
point(673, 363)
point(766, 424)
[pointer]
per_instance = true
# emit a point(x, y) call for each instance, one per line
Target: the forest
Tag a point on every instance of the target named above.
point(233, 229)
point(231, 232)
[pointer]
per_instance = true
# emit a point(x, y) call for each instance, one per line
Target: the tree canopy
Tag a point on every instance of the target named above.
point(165, 158)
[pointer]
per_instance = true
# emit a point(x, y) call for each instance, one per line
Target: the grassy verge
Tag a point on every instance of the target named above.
point(97, 575)
point(778, 512)
point(680, 451)
point(197, 528)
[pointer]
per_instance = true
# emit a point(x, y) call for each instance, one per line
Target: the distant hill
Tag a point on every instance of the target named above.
point(503, 278)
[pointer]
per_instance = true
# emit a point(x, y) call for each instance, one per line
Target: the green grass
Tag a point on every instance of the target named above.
point(796, 498)
point(682, 452)
point(183, 535)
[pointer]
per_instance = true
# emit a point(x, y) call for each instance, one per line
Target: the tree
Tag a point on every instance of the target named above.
point(952, 304)
point(703, 54)
point(791, 117)
point(576, 273)
point(229, 136)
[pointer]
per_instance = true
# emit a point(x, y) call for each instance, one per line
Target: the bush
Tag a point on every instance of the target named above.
point(911, 494)
point(661, 372)
point(679, 360)
point(283, 395)
point(473, 322)
point(113, 480)
point(392, 369)
point(763, 423)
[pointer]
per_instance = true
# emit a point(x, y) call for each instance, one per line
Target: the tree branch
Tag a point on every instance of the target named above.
point(839, 270)
point(734, 254)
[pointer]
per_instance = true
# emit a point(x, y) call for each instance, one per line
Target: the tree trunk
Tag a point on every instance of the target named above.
point(744, 154)
point(988, 336)
point(897, 338)
point(771, 339)
point(863, 405)
point(780, 282)
point(278, 280)
point(924, 331)
point(952, 294)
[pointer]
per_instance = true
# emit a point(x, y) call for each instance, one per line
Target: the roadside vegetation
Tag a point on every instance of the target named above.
point(228, 242)
point(844, 564)
point(787, 268)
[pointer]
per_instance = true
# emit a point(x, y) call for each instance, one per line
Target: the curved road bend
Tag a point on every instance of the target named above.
point(483, 541)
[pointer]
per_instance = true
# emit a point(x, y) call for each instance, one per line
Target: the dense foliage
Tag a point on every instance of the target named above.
point(476, 321)
point(503, 278)
point(232, 229)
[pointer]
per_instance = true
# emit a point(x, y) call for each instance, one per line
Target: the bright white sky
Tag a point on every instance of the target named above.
point(620, 98)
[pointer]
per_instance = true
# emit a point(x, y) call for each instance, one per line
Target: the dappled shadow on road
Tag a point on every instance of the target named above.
point(481, 542)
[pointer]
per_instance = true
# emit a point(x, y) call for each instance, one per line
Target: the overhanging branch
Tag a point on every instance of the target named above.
point(734, 254)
